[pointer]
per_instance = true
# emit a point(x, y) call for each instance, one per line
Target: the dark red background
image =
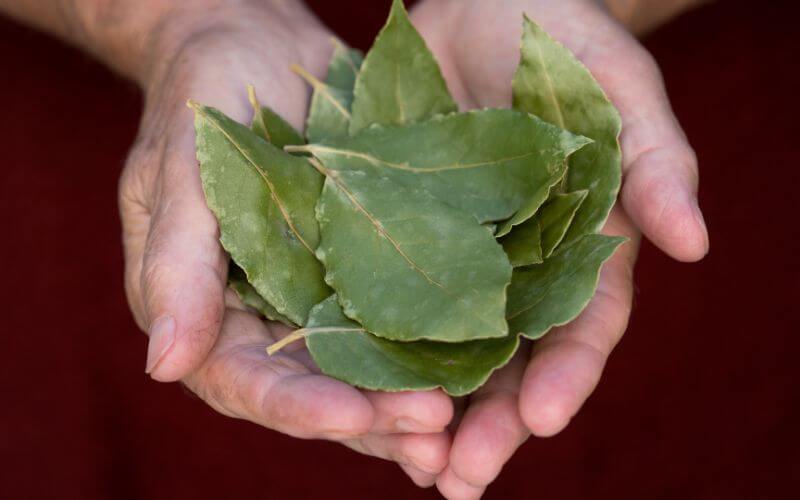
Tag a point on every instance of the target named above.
point(700, 400)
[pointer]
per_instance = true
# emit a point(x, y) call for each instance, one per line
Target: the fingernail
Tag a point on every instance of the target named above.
point(405, 424)
point(698, 216)
point(162, 336)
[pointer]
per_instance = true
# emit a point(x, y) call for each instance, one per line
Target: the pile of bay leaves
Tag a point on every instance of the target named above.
point(412, 244)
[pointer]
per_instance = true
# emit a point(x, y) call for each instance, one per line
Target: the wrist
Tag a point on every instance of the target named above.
point(141, 38)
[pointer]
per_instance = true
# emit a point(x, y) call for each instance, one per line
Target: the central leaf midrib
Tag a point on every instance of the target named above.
point(410, 168)
point(375, 223)
point(264, 177)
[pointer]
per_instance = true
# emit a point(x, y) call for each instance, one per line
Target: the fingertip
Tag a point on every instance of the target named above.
point(161, 339)
point(546, 420)
point(490, 433)
point(411, 411)
point(665, 208)
point(179, 343)
point(427, 452)
point(556, 383)
point(420, 478)
point(453, 487)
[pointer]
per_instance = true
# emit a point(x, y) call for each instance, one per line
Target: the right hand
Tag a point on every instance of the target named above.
point(176, 270)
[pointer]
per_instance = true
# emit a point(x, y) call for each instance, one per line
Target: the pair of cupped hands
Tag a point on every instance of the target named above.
point(199, 332)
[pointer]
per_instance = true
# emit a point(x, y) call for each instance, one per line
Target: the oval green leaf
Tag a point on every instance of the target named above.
point(264, 202)
point(555, 292)
point(407, 266)
point(488, 163)
point(550, 82)
point(400, 81)
point(364, 360)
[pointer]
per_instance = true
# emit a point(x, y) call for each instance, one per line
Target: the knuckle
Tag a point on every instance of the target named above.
point(428, 454)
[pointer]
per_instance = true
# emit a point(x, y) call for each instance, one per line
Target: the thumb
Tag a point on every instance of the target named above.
point(183, 272)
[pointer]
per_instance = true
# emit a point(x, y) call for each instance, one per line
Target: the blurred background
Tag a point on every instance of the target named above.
point(701, 399)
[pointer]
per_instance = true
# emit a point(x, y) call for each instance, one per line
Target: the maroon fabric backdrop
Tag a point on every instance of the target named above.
point(699, 401)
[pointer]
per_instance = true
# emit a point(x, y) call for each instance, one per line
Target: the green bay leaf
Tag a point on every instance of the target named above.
point(329, 112)
point(264, 202)
point(344, 66)
point(550, 82)
point(555, 292)
point(364, 360)
point(523, 244)
point(269, 125)
point(536, 238)
point(407, 266)
point(250, 297)
point(556, 217)
point(400, 81)
point(488, 163)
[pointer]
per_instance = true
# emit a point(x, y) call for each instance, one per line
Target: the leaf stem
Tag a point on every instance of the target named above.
point(251, 96)
point(297, 148)
point(303, 332)
point(305, 75)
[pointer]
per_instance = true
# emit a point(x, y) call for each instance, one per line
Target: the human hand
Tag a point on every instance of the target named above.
point(477, 46)
point(176, 269)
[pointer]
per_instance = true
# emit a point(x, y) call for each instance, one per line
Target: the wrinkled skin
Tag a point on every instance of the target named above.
point(200, 334)
point(477, 45)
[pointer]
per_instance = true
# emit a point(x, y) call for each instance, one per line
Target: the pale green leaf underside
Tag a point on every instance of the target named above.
point(555, 292)
point(524, 244)
point(370, 362)
point(551, 83)
point(406, 266)
point(237, 280)
point(400, 81)
point(488, 163)
point(264, 202)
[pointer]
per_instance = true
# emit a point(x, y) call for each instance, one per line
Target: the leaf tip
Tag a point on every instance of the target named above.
point(398, 5)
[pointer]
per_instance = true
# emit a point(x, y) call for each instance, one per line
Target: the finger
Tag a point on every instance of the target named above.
point(183, 271)
point(427, 18)
point(418, 412)
point(489, 434)
point(420, 478)
point(424, 452)
point(241, 380)
point(566, 364)
point(660, 167)
point(456, 488)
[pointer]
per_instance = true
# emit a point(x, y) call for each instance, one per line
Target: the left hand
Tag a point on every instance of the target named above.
point(477, 46)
